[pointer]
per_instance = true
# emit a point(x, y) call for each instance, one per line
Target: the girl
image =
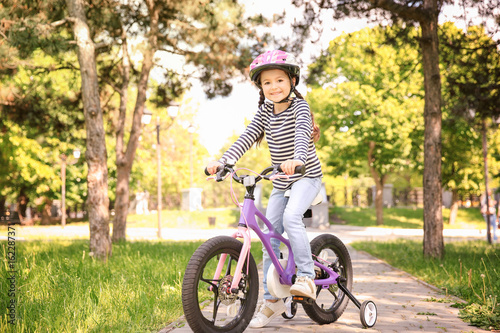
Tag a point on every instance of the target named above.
point(288, 125)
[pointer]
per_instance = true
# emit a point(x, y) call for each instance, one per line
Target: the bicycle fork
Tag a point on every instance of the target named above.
point(244, 256)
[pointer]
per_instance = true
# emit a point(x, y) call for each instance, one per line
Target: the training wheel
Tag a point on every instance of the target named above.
point(291, 308)
point(368, 314)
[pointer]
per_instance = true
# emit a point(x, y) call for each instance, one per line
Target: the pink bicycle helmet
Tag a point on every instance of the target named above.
point(275, 59)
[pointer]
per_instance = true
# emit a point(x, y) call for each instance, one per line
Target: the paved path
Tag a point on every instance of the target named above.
point(347, 233)
point(403, 302)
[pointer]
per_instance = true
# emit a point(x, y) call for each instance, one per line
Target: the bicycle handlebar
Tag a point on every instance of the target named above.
point(267, 173)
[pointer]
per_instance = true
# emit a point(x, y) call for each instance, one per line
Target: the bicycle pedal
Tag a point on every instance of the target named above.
point(302, 299)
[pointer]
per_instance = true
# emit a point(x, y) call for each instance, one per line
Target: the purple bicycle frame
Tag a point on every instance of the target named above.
point(247, 217)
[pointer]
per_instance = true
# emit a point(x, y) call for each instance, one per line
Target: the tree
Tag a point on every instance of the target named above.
point(207, 34)
point(96, 154)
point(222, 56)
point(40, 120)
point(424, 13)
point(43, 26)
point(473, 82)
point(367, 96)
point(461, 171)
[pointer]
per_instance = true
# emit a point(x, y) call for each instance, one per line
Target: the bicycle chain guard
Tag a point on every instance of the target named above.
point(273, 282)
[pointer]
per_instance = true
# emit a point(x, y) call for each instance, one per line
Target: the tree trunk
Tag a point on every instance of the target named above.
point(379, 185)
point(96, 155)
point(125, 159)
point(454, 207)
point(486, 180)
point(3, 199)
point(121, 204)
point(379, 203)
point(122, 170)
point(46, 216)
point(22, 204)
point(433, 218)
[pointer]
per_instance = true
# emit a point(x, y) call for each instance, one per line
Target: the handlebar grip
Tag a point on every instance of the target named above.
point(219, 168)
point(298, 169)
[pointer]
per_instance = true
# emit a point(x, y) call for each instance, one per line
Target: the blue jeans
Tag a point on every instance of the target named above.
point(285, 214)
point(493, 225)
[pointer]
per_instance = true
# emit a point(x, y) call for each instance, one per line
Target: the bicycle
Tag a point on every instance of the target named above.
point(223, 271)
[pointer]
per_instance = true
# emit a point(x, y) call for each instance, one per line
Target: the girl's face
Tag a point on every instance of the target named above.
point(275, 84)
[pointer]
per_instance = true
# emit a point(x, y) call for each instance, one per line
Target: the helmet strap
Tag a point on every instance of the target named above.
point(287, 98)
point(292, 88)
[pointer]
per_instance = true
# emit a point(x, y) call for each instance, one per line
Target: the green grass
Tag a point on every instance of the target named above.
point(59, 288)
point(407, 218)
point(469, 270)
point(225, 217)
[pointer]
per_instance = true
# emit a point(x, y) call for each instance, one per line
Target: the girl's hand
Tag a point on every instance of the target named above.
point(212, 167)
point(288, 166)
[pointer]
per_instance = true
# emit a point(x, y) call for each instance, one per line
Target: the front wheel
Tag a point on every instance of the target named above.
point(207, 305)
point(330, 302)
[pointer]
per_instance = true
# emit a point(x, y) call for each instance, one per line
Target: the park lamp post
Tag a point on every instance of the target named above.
point(191, 129)
point(173, 110)
point(64, 162)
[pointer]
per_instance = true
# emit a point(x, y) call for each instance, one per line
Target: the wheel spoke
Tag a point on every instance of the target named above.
point(211, 294)
point(228, 270)
point(330, 304)
point(211, 283)
point(216, 309)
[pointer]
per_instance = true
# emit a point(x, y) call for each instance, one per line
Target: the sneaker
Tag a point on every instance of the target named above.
point(267, 312)
point(304, 286)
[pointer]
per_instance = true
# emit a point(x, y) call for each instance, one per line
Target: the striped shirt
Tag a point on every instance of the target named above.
point(288, 135)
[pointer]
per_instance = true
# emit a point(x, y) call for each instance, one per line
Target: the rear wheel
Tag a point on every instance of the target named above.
point(330, 302)
point(207, 304)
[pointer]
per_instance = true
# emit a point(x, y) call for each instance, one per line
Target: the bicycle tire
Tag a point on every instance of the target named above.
point(292, 311)
point(326, 310)
point(368, 314)
point(207, 317)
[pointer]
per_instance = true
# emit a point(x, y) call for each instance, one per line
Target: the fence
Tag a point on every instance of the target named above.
point(393, 197)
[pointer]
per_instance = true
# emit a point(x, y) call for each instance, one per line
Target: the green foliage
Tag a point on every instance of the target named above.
point(364, 90)
point(48, 98)
point(60, 288)
point(27, 166)
point(471, 71)
point(40, 76)
point(181, 153)
point(41, 119)
point(367, 87)
point(472, 66)
point(469, 271)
